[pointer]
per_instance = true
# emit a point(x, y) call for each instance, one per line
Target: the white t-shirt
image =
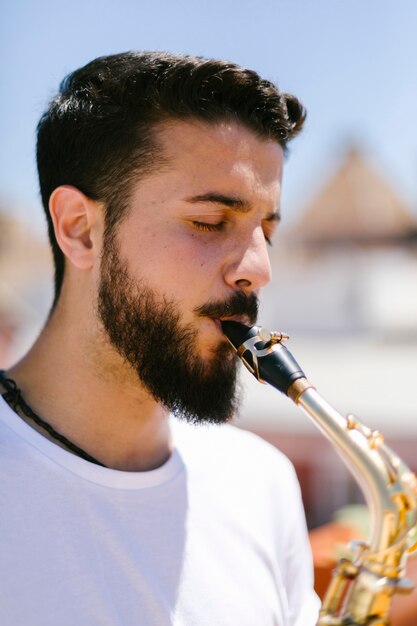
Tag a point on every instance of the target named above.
point(214, 537)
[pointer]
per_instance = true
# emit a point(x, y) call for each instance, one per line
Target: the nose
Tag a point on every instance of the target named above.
point(249, 268)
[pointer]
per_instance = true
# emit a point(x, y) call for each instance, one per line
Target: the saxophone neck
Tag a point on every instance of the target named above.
point(389, 486)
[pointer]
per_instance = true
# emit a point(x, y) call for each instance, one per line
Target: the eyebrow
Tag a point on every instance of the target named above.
point(231, 202)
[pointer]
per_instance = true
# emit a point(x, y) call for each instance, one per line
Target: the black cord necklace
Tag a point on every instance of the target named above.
point(14, 399)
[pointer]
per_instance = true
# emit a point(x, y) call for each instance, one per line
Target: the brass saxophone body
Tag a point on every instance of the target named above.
point(362, 587)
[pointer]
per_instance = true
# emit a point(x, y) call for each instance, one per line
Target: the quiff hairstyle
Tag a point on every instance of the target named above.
point(98, 132)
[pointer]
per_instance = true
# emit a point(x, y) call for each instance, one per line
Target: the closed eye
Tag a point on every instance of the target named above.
point(209, 227)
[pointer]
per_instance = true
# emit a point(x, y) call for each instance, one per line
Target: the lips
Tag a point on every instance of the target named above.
point(242, 319)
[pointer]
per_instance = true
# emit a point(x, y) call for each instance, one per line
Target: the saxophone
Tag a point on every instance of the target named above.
point(362, 587)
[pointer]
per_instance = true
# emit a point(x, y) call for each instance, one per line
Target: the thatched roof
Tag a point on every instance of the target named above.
point(356, 205)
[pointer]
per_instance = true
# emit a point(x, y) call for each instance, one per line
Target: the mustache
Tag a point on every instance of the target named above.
point(238, 304)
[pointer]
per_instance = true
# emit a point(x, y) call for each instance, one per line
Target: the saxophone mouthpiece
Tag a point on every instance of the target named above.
point(263, 354)
point(238, 333)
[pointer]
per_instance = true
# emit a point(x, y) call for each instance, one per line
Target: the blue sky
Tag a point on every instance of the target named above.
point(352, 62)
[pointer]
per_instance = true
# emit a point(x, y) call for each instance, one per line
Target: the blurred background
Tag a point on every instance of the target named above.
point(345, 261)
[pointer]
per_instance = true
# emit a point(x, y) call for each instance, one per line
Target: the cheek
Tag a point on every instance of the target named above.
point(188, 255)
point(178, 264)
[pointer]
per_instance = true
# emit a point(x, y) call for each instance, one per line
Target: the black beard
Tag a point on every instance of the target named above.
point(144, 327)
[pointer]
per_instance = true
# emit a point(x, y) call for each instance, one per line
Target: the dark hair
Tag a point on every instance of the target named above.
point(97, 133)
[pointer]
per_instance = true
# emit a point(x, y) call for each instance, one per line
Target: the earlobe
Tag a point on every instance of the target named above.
point(74, 216)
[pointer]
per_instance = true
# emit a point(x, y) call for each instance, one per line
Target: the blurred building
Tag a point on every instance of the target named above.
point(351, 259)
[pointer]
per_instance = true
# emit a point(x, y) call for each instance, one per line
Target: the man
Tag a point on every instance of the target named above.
point(160, 176)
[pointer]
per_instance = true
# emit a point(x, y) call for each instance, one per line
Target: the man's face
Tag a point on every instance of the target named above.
point(191, 250)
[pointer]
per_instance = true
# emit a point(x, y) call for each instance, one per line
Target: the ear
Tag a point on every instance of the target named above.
point(75, 218)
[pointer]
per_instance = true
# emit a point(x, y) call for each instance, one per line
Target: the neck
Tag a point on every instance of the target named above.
point(88, 394)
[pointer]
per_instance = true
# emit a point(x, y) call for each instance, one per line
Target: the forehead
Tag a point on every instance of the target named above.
point(219, 150)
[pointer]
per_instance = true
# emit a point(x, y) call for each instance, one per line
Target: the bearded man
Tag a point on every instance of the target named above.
point(123, 501)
